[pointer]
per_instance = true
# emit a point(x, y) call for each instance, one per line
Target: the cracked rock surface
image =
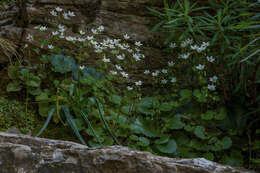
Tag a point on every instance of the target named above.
point(26, 154)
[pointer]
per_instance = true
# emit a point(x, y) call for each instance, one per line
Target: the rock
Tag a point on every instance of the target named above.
point(26, 154)
point(13, 130)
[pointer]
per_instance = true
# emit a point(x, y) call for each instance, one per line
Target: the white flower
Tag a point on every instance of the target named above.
point(165, 71)
point(124, 74)
point(186, 42)
point(82, 32)
point(173, 80)
point(201, 48)
point(126, 46)
point(71, 13)
point(130, 50)
point(61, 28)
point(37, 27)
point(137, 49)
point(29, 38)
point(170, 63)
point(55, 33)
point(111, 46)
point(213, 79)
point(121, 46)
point(118, 67)
point(136, 57)
point(200, 67)
point(58, 9)
point(113, 72)
point(154, 74)
point(164, 81)
point(66, 16)
point(81, 39)
point(43, 28)
point(195, 47)
point(101, 28)
point(172, 45)
point(70, 38)
point(50, 46)
point(211, 87)
point(129, 88)
point(90, 38)
point(106, 59)
point(62, 35)
point(147, 72)
point(126, 37)
point(138, 43)
point(120, 57)
point(138, 83)
point(94, 42)
point(205, 44)
point(210, 58)
point(184, 56)
point(26, 45)
point(81, 67)
point(54, 13)
point(94, 31)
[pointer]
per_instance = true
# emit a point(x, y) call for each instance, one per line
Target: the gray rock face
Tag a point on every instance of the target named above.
point(118, 17)
point(25, 154)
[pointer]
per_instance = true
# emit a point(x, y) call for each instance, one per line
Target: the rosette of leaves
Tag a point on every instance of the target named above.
point(22, 78)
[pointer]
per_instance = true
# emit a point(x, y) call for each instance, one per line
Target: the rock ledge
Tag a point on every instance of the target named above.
point(26, 154)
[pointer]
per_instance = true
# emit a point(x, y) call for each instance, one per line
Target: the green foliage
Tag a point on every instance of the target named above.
point(204, 113)
point(233, 30)
point(13, 114)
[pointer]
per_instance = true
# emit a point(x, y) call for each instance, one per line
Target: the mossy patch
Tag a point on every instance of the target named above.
point(13, 114)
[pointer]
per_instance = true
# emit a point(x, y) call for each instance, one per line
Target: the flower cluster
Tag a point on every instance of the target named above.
point(117, 54)
point(114, 53)
point(197, 58)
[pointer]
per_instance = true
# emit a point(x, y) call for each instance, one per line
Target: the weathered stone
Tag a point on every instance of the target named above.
point(26, 154)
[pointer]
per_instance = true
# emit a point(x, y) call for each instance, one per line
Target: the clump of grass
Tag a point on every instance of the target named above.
point(8, 48)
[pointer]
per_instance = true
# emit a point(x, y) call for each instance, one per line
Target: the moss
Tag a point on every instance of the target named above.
point(12, 114)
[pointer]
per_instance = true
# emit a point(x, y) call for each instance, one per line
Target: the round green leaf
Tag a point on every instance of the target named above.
point(166, 107)
point(162, 140)
point(13, 87)
point(199, 131)
point(143, 141)
point(169, 147)
point(115, 99)
point(134, 137)
point(208, 115)
point(226, 142)
point(175, 123)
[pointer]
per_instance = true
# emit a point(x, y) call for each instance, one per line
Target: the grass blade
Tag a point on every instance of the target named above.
point(72, 124)
point(91, 127)
point(105, 123)
point(50, 114)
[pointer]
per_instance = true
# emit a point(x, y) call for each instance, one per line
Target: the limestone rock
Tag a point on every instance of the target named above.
point(26, 154)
